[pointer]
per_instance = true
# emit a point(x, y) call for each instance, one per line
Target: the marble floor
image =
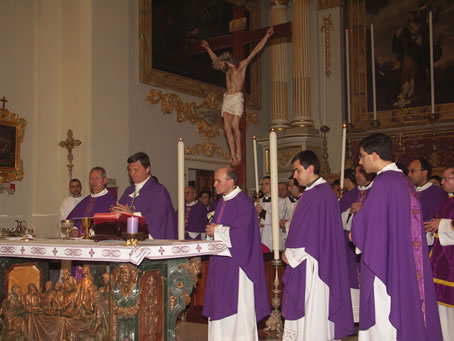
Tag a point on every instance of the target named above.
point(190, 331)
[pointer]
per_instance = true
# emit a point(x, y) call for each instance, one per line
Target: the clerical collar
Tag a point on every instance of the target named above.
point(451, 195)
point(314, 183)
point(232, 194)
point(140, 185)
point(292, 199)
point(391, 167)
point(365, 188)
point(423, 187)
point(192, 203)
point(266, 199)
point(100, 194)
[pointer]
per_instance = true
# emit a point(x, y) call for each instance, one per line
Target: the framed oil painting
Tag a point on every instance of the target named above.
point(11, 136)
point(402, 61)
point(167, 28)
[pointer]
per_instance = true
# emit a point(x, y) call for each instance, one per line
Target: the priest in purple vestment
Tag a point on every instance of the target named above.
point(236, 295)
point(316, 302)
point(397, 296)
point(148, 198)
point(442, 256)
point(430, 196)
point(99, 201)
point(195, 215)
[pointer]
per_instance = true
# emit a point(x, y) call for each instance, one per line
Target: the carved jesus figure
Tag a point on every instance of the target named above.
point(232, 105)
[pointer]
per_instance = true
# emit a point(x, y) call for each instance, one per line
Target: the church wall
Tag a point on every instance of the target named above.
point(18, 85)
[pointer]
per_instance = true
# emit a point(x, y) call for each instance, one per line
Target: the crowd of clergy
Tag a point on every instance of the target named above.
point(379, 253)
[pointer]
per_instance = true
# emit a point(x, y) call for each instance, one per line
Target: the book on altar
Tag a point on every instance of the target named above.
point(112, 217)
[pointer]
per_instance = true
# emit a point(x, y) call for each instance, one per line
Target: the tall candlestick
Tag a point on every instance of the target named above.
point(431, 47)
point(256, 169)
point(180, 176)
point(372, 52)
point(347, 70)
point(274, 193)
point(324, 80)
point(344, 139)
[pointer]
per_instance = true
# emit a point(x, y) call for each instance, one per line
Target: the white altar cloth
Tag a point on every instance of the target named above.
point(108, 250)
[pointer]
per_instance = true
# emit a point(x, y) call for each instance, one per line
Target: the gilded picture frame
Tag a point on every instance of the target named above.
point(12, 129)
point(149, 74)
point(389, 18)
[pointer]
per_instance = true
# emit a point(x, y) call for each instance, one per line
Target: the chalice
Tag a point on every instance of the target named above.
point(86, 224)
point(66, 226)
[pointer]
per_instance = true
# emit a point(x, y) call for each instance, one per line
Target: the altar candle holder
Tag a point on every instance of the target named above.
point(375, 124)
point(132, 239)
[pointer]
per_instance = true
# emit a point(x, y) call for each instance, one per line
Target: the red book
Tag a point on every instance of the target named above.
point(111, 217)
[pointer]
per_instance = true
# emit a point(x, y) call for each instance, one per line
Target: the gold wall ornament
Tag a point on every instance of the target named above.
point(70, 143)
point(325, 4)
point(12, 129)
point(152, 309)
point(208, 149)
point(272, 3)
point(325, 28)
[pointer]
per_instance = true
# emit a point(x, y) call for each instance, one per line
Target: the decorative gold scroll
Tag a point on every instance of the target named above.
point(326, 26)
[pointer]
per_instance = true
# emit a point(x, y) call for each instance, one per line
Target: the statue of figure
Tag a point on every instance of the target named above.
point(67, 278)
point(69, 300)
point(32, 299)
point(59, 297)
point(85, 293)
point(49, 299)
point(100, 328)
point(13, 313)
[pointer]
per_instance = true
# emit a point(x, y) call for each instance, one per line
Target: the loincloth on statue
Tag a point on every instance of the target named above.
point(233, 104)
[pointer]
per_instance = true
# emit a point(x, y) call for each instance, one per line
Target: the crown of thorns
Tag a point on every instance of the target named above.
point(218, 63)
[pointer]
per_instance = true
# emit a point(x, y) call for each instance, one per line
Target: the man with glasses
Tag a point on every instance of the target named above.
point(397, 296)
point(430, 196)
point(442, 256)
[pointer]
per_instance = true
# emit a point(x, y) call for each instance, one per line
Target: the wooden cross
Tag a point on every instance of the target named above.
point(4, 100)
point(70, 143)
point(238, 39)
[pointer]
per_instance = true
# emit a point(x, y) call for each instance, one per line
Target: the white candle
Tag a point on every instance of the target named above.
point(324, 79)
point(344, 139)
point(180, 176)
point(274, 193)
point(132, 225)
point(347, 68)
point(372, 56)
point(432, 85)
point(256, 169)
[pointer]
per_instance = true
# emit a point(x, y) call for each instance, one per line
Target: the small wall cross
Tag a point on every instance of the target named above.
point(4, 100)
point(70, 143)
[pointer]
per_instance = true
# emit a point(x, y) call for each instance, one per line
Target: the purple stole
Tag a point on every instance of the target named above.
point(442, 259)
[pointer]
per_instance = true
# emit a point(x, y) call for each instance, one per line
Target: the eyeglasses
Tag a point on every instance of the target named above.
point(415, 170)
point(448, 178)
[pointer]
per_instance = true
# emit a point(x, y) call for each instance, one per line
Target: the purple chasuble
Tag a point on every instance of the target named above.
point(213, 205)
point(153, 202)
point(89, 206)
point(389, 231)
point(431, 199)
point(316, 225)
point(348, 199)
point(221, 295)
point(442, 259)
point(197, 219)
point(353, 260)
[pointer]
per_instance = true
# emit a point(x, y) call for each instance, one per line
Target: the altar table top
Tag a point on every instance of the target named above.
point(108, 250)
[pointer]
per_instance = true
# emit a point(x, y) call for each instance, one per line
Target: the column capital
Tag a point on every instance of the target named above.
point(278, 3)
point(325, 4)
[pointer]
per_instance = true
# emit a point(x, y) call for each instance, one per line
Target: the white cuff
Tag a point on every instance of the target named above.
point(295, 256)
point(430, 238)
point(222, 233)
point(446, 232)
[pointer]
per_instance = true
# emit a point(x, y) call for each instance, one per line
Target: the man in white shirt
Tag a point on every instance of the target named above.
point(68, 204)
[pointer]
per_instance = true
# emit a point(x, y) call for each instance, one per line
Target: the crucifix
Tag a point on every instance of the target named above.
point(70, 143)
point(238, 39)
point(4, 100)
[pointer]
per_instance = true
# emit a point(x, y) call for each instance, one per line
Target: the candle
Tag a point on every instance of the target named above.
point(344, 139)
point(180, 176)
point(274, 193)
point(256, 169)
point(324, 81)
point(12, 187)
point(432, 86)
point(372, 52)
point(347, 68)
point(132, 225)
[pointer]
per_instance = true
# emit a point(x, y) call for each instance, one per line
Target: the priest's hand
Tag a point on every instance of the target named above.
point(282, 224)
point(355, 207)
point(119, 208)
point(209, 229)
point(284, 257)
point(432, 225)
point(259, 208)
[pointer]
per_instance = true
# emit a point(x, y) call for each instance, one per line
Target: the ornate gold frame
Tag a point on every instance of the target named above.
point(361, 117)
point(152, 76)
point(8, 119)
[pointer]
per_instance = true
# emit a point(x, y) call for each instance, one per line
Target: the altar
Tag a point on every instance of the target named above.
point(123, 293)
